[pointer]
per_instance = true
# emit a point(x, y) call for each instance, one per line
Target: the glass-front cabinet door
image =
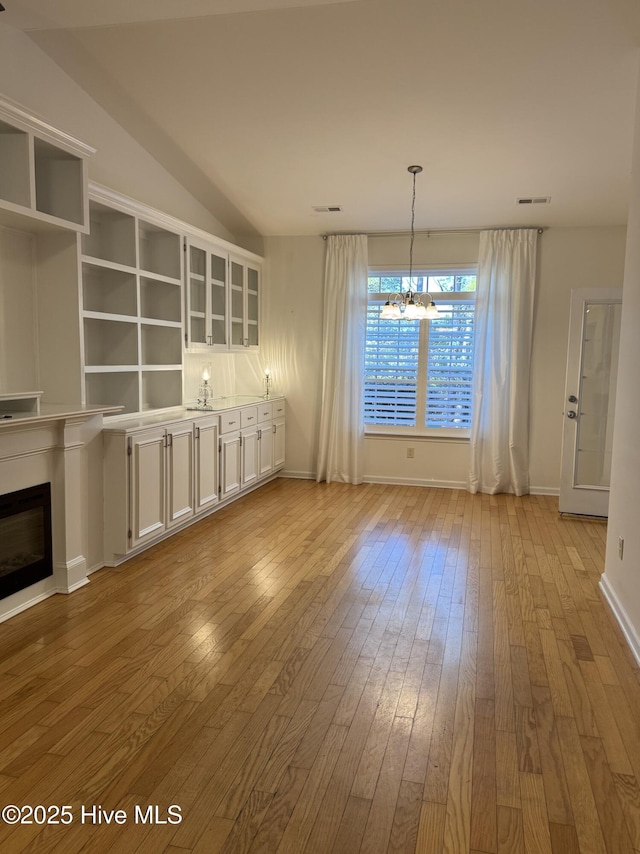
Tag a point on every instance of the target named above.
point(218, 326)
point(245, 305)
point(196, 296)
point(237, 304)
point(207, 297)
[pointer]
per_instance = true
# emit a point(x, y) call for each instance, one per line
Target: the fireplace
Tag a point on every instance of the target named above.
point(25, 538)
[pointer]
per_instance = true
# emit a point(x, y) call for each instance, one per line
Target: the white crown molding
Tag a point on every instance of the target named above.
point(112, 198)
point(15, 114)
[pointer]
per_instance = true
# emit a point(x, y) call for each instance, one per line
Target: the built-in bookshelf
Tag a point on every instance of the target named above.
point(132, 311)
point(43, 179)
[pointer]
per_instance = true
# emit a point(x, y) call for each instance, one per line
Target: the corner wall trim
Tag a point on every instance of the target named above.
point(628, 629)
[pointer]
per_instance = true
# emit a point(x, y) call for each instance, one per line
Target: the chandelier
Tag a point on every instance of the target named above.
point(410, 304)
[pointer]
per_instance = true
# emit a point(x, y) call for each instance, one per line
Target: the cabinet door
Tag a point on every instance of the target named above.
point(278, 444)
point(206, 449)
point(196, 294)
point(229, 464)
point(147, 486)
point(249, 456)
point(218, 318)
point(237, 276)
point(245, 304)
point(180, 490)
point(265, 435)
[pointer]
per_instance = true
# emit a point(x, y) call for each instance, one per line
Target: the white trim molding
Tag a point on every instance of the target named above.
point(624, 621)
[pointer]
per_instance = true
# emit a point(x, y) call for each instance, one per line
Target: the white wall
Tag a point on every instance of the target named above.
point(621, 579)
point(31, 78)
point(568, 258)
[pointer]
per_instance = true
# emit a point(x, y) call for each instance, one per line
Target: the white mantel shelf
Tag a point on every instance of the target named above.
point(51, 412)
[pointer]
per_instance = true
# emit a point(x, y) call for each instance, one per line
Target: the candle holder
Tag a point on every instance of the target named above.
point(205, 392)
point(267, 384)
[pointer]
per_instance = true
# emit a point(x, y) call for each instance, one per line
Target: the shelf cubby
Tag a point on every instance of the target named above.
point(14, 157)
point(112, 236)
point(110, 342)
point(161, 389)
point(160, 300)
point(114, 389)
point(59, 182)
point(161, 345)
point(160, 250)
point(108, 291)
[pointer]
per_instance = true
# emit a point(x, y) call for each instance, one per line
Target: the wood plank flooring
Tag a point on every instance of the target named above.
point(329, 668)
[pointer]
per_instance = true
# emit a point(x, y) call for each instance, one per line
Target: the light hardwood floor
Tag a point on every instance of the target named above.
point(329, 668)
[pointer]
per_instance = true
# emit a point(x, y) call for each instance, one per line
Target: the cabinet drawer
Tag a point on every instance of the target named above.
point(249, 416)
point(230, 421)
point(265, 412)
point(278, 408)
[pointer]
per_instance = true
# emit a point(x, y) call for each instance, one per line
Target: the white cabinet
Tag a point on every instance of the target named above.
point(162, 474)
point(43, 174)
point(147, 486)
point(180, 473)
point(207, 322)
point(278, 443)
point(244, 278)
point(206, 463)
point(132, 310)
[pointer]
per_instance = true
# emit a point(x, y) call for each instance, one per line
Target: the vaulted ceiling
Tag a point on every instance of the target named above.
point(282, 105)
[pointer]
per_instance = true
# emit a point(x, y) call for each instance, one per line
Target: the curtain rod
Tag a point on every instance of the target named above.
point(429, 231)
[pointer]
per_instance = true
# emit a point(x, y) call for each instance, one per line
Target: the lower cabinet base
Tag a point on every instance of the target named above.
point(112, 560)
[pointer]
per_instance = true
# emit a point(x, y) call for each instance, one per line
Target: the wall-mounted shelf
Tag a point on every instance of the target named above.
point(43, 180)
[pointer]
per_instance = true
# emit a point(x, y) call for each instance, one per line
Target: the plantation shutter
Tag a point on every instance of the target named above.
point(450, 366)
point(391, 370)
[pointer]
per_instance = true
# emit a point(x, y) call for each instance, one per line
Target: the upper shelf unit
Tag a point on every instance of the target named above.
point(43, 179)
point(133, 310)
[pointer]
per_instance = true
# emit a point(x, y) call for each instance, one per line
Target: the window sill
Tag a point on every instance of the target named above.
point(451, 435)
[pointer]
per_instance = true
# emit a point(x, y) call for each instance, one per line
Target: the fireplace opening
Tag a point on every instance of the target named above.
point(25, 538)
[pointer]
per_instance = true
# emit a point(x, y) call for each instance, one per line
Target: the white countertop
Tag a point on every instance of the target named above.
point(175, 416)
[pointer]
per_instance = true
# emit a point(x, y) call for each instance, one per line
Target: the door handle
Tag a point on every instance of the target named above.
point(572, 414)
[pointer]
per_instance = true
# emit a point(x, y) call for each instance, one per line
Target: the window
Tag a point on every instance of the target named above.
point(418, 373)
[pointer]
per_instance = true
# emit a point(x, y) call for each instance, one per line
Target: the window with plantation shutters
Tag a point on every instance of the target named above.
point(418, 373)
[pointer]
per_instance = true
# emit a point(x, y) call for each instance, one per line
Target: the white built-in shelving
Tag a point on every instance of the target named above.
point(132, 310)
point(43, 179)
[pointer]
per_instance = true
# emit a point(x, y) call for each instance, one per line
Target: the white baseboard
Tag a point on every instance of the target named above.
point(544, 490)
point(298, 475)
point(24, 604)
point(628, 629)
point(417, 481)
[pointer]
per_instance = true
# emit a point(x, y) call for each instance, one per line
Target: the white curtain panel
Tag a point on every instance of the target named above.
point(341, 443)
point(499, 460)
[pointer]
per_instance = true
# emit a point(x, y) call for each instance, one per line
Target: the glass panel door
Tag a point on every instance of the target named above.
point(197, 296)
point(218, 292)
point(237, 304)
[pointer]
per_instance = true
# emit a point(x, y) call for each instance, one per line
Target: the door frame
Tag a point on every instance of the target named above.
point(580, 500)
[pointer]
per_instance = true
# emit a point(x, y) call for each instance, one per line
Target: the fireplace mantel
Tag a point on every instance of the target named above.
point(50, 445)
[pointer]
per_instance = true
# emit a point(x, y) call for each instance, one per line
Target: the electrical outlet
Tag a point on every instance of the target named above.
point(411, 452)
point(620, 547)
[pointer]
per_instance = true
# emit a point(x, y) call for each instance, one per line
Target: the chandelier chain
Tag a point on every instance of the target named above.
point(413, 219)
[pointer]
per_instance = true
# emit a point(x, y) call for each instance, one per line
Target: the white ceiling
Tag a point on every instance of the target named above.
point(287, 104)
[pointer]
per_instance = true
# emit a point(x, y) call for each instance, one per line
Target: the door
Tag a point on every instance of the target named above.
point(265, 443)
point(147, 485)
point(179, 474)
point(249, 446)
point(206, 436)
point(229, 464)
point(592, 367)
point(278, 444)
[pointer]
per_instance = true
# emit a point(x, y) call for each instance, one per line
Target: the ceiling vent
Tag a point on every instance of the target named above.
point(534, 200)
point(327, 208)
